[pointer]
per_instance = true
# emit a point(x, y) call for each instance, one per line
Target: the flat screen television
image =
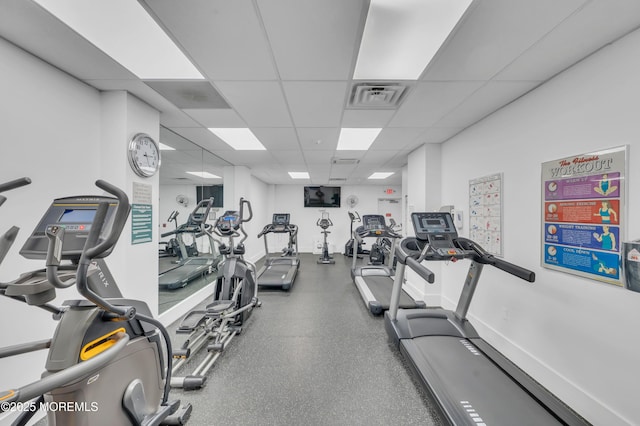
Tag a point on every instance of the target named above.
point(322, 196)
point(215, 191)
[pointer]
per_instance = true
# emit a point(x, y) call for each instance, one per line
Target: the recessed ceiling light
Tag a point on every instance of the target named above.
point(380, 175)
point(125, 31)
point(205, 175)
point(241, 139)
point(402, 36)
point(299, 175)
point(164, 147)
point(356, 139)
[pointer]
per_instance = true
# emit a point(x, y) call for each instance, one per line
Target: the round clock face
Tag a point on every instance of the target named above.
point(144, 155)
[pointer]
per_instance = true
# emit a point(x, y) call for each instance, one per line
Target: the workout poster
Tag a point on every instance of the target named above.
point(583, 214)
point(485, 212)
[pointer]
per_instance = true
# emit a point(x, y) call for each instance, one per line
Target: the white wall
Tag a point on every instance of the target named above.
point(53, 132)
point(50, 129)
point(578, 337)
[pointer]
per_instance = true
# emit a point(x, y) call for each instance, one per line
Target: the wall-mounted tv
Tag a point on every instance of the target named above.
point(215, 191)
point(322, 196)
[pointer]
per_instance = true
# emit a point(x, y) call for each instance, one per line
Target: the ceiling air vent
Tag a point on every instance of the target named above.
point(377, 96)
point(336, 160)
point(337, 180)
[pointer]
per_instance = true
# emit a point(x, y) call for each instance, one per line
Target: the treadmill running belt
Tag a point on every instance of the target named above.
point(468, 387)
point(275, 275)
point(380, 286)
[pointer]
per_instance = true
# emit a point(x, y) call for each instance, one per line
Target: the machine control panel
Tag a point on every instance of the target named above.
point(280, 222)
point(438, 229)
point(75, 215)
point(374, 223)
point(228, 222)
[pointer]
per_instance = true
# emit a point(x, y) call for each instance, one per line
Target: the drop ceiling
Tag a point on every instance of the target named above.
point(283, 68)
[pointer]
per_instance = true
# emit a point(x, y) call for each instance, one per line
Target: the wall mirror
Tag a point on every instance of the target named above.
point(187, 260)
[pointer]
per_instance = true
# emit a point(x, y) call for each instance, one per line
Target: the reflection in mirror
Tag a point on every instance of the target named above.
point(187, 256)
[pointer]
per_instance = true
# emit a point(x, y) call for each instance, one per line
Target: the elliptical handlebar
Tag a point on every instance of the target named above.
point(121, 215)
point(244, 201)
point(13, 184)
point(66, 376)
point(93, 248)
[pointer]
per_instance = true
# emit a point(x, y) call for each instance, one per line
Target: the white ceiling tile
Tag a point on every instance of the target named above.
point(396, 137)
point(287, 158)
point(430, 101)
point(247, 158)
point(318, 138)
point(318, 158)
point(493, 33)
point(366, 118)
point(223, 38)
point(277, 138)
point(173, 117)
point(433, 135)
point(484, 101)
point(216, 117)
point(316, 104)
point(203, 138)
point(259, 103)
point(548, 56)
point(318, 44)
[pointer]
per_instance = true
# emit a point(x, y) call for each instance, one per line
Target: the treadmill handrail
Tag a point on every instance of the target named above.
point(424, 272)
point(482, 256)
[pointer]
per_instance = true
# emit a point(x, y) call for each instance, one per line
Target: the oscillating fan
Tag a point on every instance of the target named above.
point(352, 201)
point(183, 200)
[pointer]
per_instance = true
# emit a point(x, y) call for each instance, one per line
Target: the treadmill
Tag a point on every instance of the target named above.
point(374, 282)
point(192, 267)
point(280, 271)
point(469, 381)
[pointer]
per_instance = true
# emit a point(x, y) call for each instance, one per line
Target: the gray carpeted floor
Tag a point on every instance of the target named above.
point(314, 356)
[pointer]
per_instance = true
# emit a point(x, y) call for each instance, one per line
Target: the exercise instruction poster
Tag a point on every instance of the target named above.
point(583, 216)
point(485, 212)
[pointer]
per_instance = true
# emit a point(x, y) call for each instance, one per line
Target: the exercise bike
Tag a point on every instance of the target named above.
point(235, 296)
point(324, 222)
point(108, 358)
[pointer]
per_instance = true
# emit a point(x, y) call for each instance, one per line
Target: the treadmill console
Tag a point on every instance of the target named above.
point(200, 214)
point(438, 230)
point(280, 222)
point(374, 223)
point(75, 215)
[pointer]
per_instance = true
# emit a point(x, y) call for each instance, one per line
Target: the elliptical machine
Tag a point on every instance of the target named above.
point(324, 222)
point(108, 358)
point(236, 295)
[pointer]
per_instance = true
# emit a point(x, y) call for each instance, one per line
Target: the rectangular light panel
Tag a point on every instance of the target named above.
point(240, 139)
point(299, 175)
point(380, 175)
point(402, 36)
point(125, 31)
point(204, 175)
point(356, 139)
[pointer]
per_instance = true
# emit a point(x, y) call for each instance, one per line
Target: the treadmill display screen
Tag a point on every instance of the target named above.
point(432, 223)
point(77, 216)
point(281, 219)
point(373, 222)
